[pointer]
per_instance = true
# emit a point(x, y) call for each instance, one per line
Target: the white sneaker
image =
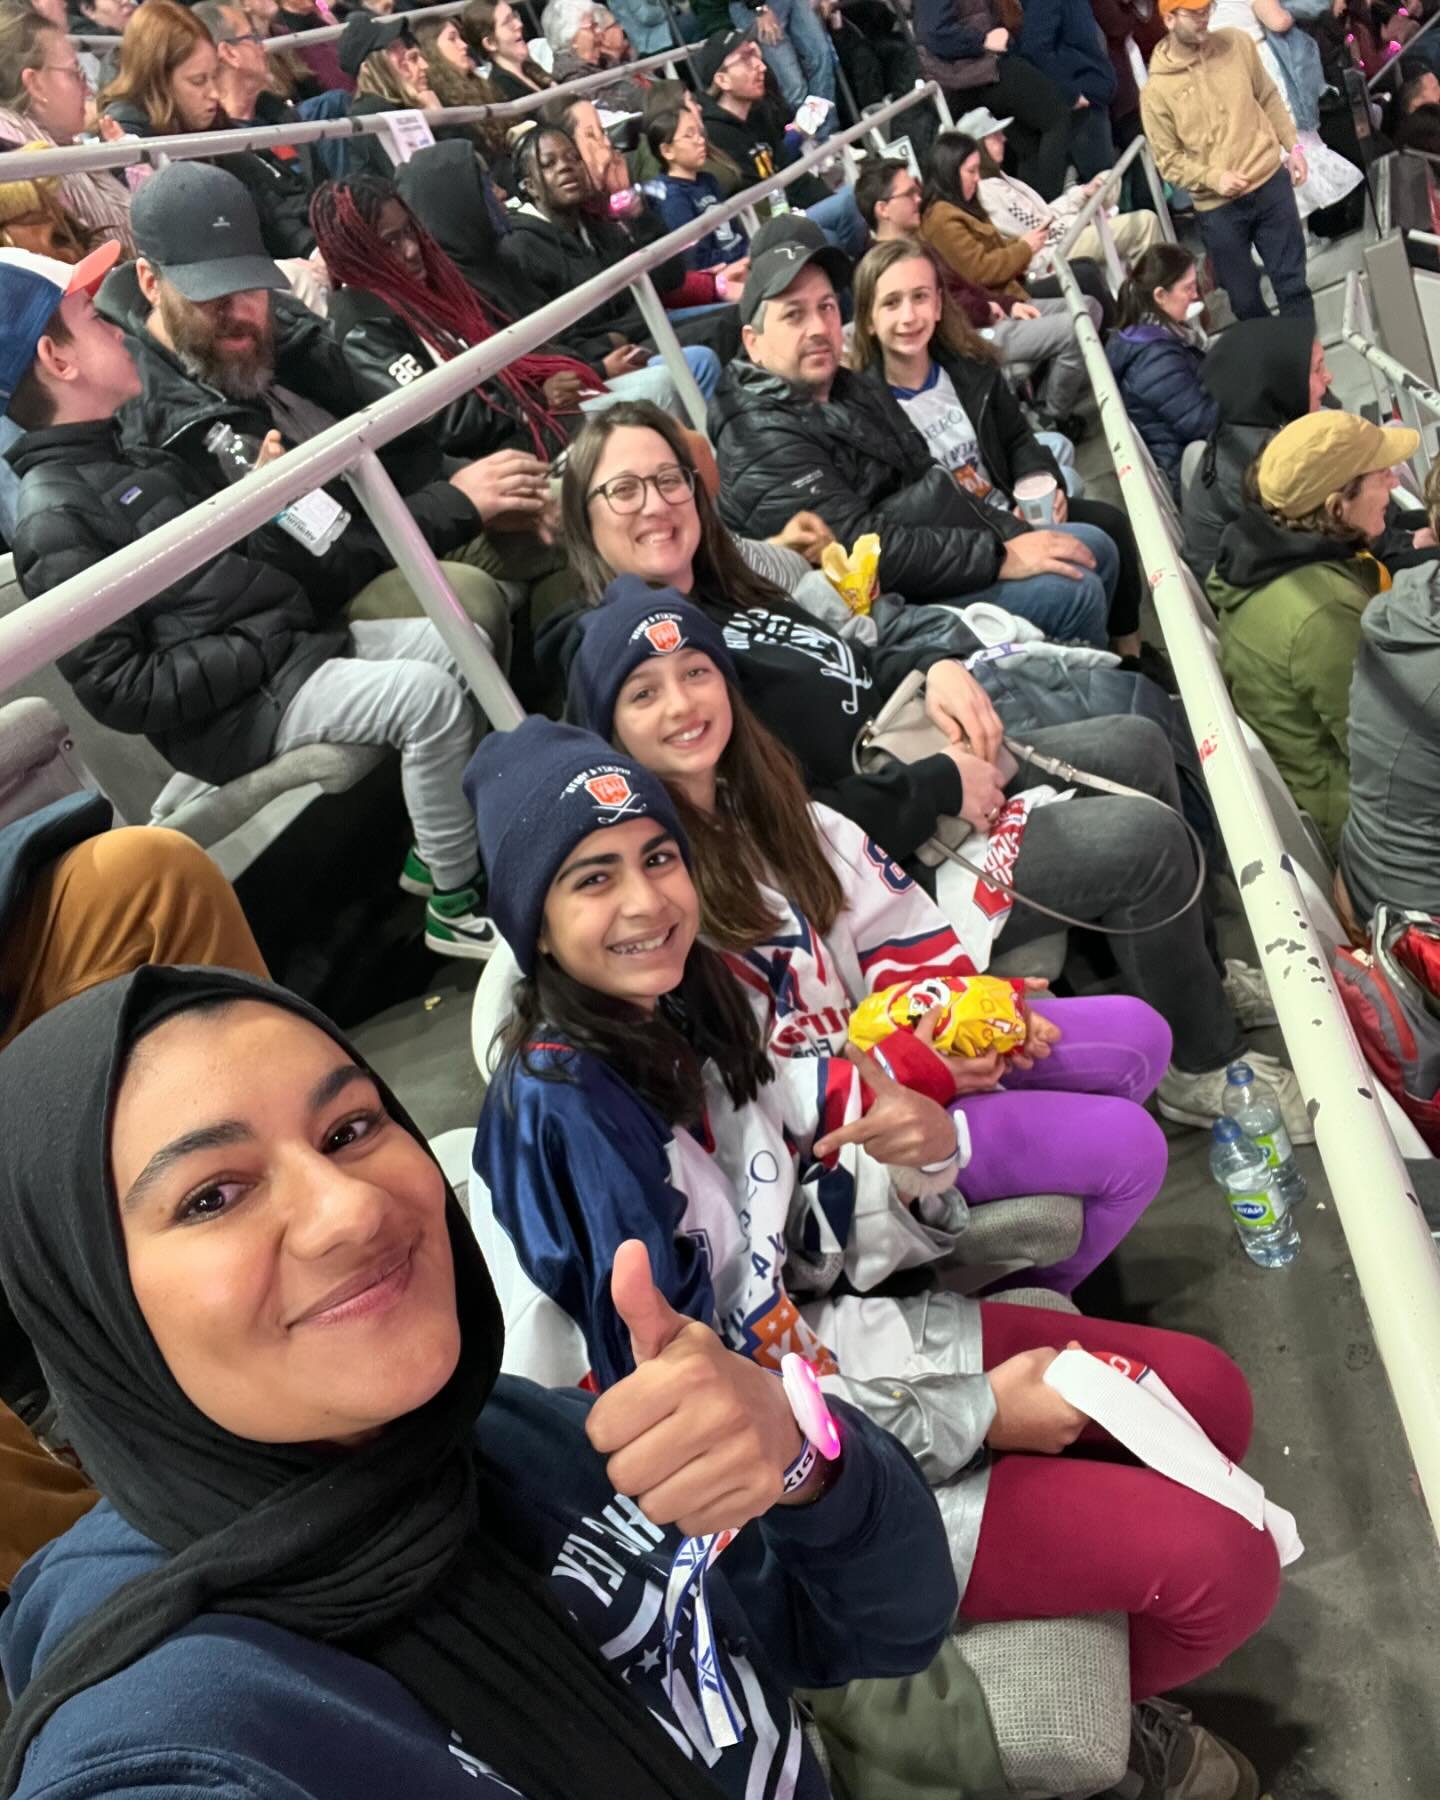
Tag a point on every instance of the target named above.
point(1249, 995)
point(1196, 1099)
point(455, 926)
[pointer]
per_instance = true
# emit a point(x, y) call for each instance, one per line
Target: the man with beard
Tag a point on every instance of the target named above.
point(218, 340)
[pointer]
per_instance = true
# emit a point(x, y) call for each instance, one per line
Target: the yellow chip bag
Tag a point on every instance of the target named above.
point(974, 1014)
point(855, 577)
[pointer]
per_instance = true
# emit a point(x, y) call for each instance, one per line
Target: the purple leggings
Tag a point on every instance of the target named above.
point(1076, 1124)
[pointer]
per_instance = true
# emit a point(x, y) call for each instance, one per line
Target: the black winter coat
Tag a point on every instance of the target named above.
point(756, 145)
point(1008, 447)
point(175, 411)
point(204, 670)
point(384, 354)
point(857, 461)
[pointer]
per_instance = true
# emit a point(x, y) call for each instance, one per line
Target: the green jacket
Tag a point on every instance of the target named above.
point(1290, 606)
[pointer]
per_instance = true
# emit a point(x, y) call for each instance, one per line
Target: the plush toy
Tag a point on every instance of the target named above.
point(974, 1014)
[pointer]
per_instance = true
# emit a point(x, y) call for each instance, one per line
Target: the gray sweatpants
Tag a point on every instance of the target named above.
point(401, 687)
point(1051, 340)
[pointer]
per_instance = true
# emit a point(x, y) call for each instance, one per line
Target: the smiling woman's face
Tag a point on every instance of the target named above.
point(286, 1238)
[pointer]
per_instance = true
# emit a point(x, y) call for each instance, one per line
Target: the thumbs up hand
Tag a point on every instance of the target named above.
point(700, 1436)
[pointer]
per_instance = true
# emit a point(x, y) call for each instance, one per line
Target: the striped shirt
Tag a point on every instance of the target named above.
point(99, 199)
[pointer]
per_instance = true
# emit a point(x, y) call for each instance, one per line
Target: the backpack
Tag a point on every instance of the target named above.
point(1392, 996)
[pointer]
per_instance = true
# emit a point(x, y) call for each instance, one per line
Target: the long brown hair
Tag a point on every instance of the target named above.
point(477, 22)
point(159, 37)
point(762, 830)
point(954, 330)
point(23, 45)
point(452, 86)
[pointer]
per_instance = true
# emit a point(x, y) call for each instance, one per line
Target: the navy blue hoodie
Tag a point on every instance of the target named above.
point(232, 1709)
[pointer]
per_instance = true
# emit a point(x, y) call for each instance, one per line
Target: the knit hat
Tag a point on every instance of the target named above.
point(1316, 456)
point(537, 792)
point(633, 623)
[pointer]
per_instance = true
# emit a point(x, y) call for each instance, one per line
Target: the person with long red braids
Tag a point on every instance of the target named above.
point(401, 305)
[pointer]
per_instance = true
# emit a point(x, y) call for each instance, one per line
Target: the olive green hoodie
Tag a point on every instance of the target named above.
point(1290, 605)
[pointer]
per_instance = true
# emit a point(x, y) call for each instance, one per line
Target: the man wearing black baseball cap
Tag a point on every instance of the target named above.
point(218, 340)
point(740, 121)
point(792, 428)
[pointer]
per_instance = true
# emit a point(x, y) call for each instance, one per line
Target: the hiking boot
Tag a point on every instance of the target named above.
point(1248, 992)
point(415, 876)
point(1195, 1099)
point(455, 925)
point(1173, 1758)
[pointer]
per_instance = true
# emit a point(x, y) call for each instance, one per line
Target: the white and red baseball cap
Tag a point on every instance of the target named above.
point(31, 287)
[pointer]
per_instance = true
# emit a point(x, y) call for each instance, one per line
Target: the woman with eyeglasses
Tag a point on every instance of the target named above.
point(43, 99)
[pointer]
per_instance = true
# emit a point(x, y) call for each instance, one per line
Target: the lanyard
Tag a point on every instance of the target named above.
point(693, 1560)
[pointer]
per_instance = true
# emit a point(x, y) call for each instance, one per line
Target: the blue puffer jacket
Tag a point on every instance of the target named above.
point(1159, 376)
point(1064, 41)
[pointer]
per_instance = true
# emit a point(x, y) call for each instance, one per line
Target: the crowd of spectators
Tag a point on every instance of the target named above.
point(278, 1356)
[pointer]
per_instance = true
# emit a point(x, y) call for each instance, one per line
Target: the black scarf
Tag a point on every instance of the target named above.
point(384, 1550)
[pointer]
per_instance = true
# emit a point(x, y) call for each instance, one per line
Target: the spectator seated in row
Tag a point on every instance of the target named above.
point(809, 686)
point(618, 1076)
point(674, 96)
point(43, 99)
point(947, 382)
point(389, 71)
point(1033, 338)
point(452, 78)
point(1016, 208)
point(1293, 576)
point(559, 238)
point(370, 1462)
point(240, 661)
point(1157, 359)
point(495, 33)
point(791, 425)
point(1390, 843)
point(585, 38)
point(1261, 374)
point(635, 207)
point(449, 196)
point(793, 42)
point(677, 141)
point(741, 123)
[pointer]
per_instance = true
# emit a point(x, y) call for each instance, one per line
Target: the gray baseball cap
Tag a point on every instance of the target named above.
point(198, 226)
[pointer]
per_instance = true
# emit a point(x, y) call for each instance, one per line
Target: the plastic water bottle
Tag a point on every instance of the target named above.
point(1262, 1219)
point(1251, 1103)
point(314, 520)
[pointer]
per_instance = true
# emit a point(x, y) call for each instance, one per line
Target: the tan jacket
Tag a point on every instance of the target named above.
point(975, 248)
point(1213, 109)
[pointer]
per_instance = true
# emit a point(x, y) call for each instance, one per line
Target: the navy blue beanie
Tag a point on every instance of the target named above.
point(632, 623)
point(537, 792)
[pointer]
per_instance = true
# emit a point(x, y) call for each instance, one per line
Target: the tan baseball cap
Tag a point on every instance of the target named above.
point(1314, 457)
point(1172, 6)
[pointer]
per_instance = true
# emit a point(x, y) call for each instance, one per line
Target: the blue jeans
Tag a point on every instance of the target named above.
point(704, 366)
point(1067, 611)
point(1268, 219)
point(801, 62)
point(839, 218)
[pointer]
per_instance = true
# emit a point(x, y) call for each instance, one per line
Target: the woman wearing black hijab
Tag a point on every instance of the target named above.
point(338, 1553)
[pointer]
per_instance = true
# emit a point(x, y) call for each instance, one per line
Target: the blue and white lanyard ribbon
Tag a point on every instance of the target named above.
point(723, 1723)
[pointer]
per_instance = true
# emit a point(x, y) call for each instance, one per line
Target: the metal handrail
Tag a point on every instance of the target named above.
point(1393, 62)
point(317, 34)
point(1093, 209)
point(56, 621)
point(1390, 1244)
point(71, 159)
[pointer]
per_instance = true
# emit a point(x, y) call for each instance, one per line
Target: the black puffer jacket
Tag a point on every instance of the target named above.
point(280, 186)
point(857, 461)
point(175, 411)
point(205, 669)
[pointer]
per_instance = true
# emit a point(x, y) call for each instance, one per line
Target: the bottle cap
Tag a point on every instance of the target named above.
point(1240, 1074)
point(1225, 1131)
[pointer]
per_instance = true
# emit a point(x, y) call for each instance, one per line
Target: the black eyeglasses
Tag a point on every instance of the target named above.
point(626, 493)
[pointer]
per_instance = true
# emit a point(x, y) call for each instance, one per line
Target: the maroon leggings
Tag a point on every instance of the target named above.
point(1071, 1534)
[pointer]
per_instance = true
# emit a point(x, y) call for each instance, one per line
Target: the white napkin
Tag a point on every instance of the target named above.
point(1151, 1423)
